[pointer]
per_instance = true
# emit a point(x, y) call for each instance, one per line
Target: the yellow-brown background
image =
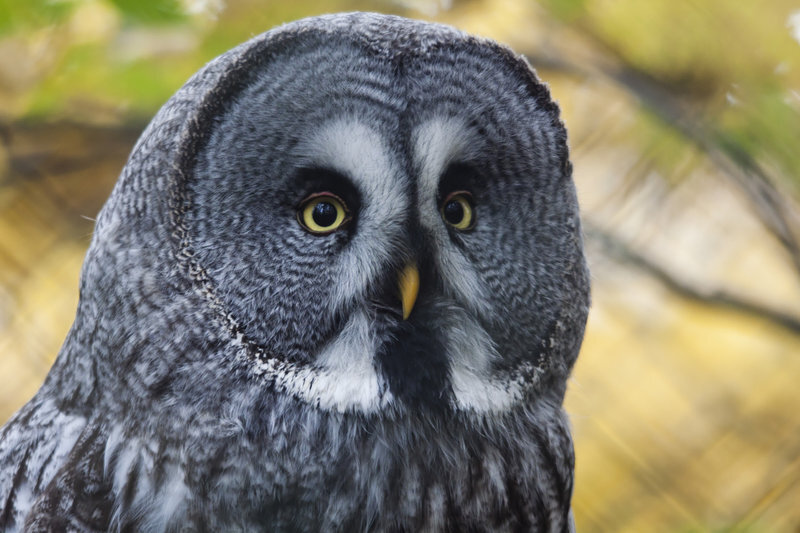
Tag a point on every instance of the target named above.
point(684, 124)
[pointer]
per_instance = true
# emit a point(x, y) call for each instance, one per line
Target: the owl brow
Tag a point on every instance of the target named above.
point(311, 180)
point(458, 176)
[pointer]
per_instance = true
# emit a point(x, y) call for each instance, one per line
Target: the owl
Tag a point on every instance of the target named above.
point(339, 286)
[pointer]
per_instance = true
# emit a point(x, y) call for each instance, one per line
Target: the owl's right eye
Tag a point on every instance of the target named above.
point(323, 213)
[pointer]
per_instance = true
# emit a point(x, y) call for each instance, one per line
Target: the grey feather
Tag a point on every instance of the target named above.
point(228, 370)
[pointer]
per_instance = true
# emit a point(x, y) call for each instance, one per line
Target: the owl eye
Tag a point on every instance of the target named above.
point(322, 213)
point(457, 210)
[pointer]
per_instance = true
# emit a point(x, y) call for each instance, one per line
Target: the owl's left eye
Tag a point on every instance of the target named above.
point(457, 210)
point(323, 213)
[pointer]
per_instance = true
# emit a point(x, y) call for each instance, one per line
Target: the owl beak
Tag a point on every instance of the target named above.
point(409, 288)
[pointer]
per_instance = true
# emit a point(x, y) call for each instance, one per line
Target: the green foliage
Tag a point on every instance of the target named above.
point(734, 64)
point(151, 11)
point(136, 53)
point(764, 125)
point(567, 10)
point(663, 147)
point(29, 14)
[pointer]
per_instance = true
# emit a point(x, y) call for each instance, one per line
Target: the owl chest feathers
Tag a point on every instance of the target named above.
point(332, 473)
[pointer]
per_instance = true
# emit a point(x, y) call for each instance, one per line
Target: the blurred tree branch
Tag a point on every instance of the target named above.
point(618, 250)
point(773, 207)
point(769, 204)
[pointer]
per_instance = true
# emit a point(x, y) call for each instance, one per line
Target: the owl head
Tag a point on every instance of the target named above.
point(339, 286)
point(363, 212)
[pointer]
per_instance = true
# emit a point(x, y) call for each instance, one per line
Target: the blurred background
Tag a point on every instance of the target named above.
point(684, 122)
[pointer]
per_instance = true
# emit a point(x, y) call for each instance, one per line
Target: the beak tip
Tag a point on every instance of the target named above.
point(409, 288)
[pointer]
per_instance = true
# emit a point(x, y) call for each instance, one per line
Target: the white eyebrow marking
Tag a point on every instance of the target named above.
point(438, 143)
point(362, 154)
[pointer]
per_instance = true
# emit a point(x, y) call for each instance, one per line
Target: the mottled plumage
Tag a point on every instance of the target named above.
point(231, 370)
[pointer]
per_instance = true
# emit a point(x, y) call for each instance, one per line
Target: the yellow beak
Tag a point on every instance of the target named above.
point(409, 288)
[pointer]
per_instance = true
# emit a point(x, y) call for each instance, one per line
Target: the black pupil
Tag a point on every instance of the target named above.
point(453, 212)
point(324, 214)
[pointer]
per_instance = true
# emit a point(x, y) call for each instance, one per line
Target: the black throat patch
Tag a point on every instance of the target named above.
point(414, 364)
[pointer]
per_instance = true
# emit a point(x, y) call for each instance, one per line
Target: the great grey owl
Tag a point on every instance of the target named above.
point(339, 286)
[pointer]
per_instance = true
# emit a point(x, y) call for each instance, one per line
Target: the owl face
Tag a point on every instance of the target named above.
point(391, 230)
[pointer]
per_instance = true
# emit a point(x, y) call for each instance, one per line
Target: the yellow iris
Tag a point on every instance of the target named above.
point(322, 213)
point(457, 210)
